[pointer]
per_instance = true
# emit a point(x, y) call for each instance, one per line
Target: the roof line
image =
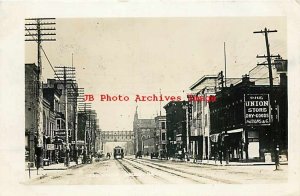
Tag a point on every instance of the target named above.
point(201, 80)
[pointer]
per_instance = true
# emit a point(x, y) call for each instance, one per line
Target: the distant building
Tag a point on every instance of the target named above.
point(161, 134)
point(118, 136)
point(176, 128)
point(144, 133)
point(87, 135)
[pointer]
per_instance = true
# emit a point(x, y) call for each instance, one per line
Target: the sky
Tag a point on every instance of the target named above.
point(140, 56)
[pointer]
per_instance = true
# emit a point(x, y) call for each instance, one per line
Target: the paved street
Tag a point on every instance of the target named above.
point(145, 171)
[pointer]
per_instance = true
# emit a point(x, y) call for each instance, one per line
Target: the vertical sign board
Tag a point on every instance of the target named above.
point(61, 133)
point(257, 109)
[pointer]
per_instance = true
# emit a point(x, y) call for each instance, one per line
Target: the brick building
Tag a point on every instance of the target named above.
point(233, 131)
point(176, 128)
point(144, 134)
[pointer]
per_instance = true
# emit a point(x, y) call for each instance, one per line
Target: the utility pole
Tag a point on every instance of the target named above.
point(84, 108)
point(224, 81)
point(78, 95)
point(188, 115)
point(67, 75)
point(36, 28)
point(273, 125)
point(66, 117)
point(225, 61)
point(224, 142)
point(160, 103)
point(160, 124)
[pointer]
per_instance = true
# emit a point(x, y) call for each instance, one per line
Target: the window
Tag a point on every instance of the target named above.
point(163, 125)
point(163, 136)
point(58, 123)
point(205, 120)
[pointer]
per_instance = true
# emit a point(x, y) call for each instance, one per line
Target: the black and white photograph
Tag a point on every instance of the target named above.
point(155, 101)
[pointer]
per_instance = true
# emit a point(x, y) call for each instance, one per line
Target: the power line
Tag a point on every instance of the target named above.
point(50, 63)
point(43, 52)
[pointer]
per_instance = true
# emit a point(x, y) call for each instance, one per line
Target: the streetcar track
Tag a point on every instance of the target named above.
point(172, 173)
point(147, 172)
point(132, 176)
point(186, 172)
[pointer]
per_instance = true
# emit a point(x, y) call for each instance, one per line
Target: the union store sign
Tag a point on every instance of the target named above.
point(257, 109)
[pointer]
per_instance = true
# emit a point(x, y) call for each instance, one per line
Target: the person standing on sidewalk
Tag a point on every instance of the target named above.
point(220, 155)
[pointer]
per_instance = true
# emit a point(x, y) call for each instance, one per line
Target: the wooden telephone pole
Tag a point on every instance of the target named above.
point(39, 30)
point(273, 126)
point(67, 75)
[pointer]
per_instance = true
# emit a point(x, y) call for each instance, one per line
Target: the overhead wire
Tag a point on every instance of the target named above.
point(43, 52)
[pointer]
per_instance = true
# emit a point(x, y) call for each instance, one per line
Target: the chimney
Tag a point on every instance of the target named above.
point(245, 78)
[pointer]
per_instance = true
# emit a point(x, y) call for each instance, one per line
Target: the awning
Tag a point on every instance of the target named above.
point(235, 130)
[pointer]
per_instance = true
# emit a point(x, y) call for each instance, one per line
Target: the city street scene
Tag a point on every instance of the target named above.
point(121, 101)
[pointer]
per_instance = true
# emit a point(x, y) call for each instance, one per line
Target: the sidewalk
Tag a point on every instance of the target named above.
point(43, 172)
point(217, 163)
point(59, 166)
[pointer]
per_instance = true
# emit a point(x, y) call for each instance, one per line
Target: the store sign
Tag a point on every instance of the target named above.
point(257, 109)
point(50, 146)
point(61, 132)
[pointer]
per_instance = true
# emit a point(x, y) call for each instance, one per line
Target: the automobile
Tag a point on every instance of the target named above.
point(163, 154)
point(154, 155)
point(139, 154)
point(179, 156)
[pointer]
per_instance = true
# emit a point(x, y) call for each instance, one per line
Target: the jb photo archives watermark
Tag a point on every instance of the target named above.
point(144, 98)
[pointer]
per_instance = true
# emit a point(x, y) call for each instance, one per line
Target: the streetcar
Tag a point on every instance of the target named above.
point(118, 152)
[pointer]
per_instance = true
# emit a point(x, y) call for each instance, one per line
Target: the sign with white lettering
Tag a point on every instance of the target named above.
point(50, 146)
point(257, 109)
point(60, 132)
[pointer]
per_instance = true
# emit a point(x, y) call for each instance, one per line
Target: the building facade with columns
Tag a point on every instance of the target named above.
point(203, 89)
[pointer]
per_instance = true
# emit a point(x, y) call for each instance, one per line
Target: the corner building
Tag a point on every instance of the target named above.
point(246, 141)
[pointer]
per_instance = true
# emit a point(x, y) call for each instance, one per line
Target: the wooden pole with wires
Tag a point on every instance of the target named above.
point(274, 122)
point(39, 30)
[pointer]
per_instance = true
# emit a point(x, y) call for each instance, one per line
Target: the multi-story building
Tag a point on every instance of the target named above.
point(241, 119)
point(161, 134)
point(144, 134)
point(52, 118)
point(88, 126)
point(176, 128)
point(202, 90)
point(53, 122)
point(31, 104)
point(71, 107)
